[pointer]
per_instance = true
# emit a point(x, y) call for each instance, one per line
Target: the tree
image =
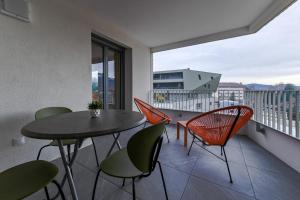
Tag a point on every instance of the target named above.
point(289, 89)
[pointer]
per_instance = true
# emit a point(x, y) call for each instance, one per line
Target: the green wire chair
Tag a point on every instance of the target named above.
point(51, 111)
point(23, 180)
point(138, 159)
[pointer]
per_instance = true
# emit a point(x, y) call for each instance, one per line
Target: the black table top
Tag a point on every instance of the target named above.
point(76, 125)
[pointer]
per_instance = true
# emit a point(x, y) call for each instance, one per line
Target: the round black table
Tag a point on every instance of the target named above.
point(80, 125)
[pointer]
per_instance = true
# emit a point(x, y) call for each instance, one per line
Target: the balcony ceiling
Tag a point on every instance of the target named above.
point(167, 24)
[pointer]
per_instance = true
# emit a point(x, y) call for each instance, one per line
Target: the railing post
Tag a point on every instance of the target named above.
point(269, 108)
point(257, 105)
point(273, 108)
point(290, 114)
point(265, 107)
point(244, 99)
point(284, 113)
point(261, 114)
point(252, 103)
point(278, 110)
point(297, 114)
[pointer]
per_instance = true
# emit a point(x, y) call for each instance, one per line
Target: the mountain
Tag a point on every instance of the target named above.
point(281, 86)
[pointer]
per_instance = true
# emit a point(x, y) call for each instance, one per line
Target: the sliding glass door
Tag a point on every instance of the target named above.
point(107, 73)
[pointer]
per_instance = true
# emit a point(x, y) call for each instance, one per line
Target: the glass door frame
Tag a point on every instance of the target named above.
point(108, 45)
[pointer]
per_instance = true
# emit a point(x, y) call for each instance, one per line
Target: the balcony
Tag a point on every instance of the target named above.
point(257, 174)
point(51, 52)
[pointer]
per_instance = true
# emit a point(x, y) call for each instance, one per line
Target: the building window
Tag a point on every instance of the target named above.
point(164, 76)
point(156, 76)
point(211, 78)
point(199, 76)
point(170, 85)
point(198, 106)
point(108, 73)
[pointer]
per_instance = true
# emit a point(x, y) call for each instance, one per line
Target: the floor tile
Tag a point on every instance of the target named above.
point(270, 185)
point(175, 155)
point(201, 189)
point(151, 188)
point(215, 170)
point(258, 157)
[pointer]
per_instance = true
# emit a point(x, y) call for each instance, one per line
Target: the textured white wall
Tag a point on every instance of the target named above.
point(47, 63)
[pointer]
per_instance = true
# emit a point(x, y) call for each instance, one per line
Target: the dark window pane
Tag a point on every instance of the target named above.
point(171, 85)
point(113, 82)
point(163, 76)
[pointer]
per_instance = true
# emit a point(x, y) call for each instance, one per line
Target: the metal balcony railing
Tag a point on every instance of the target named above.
point(276, 109)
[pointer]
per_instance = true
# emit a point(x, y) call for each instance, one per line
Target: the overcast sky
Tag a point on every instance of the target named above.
point(270, 56)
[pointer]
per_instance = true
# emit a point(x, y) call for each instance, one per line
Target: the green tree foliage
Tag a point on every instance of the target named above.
point(289, 89)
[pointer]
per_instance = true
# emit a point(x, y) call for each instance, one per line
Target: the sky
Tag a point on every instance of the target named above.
point(270, 56)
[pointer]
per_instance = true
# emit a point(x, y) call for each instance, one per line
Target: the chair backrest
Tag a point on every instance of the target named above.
point(152, 114)
point(143, 148)
point(50, 111)
point(217, 126)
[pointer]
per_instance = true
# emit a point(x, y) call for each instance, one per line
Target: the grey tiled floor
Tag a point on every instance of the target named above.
point(257, 174)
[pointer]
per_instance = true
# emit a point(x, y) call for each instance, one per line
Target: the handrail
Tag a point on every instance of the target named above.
point(278, 109)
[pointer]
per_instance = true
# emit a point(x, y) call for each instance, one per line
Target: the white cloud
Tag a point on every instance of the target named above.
point(270, 56)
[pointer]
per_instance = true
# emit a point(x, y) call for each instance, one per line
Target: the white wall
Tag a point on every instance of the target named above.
point(47, 63)
point(282, 146)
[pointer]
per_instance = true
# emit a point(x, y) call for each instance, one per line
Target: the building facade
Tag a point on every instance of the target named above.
point(231, 92)
point(185, 88)
point(186, 79)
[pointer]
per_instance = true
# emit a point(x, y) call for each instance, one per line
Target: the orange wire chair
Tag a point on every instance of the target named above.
point(217, 127)
point(153, 115)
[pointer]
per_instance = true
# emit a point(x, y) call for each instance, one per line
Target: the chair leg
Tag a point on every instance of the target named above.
point(47, 193)
point(69, 152)
point(178, 130)
point(163, 179)
point(191, 145)
point(123, 184)
point(62, 195)
point(227, 165)
point(167, 134)
point(69, 156)
point(133, 189)
point(95, 151)
point(95, 184)
point(40, 151)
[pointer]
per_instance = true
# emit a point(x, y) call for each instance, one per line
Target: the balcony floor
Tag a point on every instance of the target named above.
point(257, 174)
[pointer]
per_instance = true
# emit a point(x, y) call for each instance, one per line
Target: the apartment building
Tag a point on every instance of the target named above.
point(186, 79)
